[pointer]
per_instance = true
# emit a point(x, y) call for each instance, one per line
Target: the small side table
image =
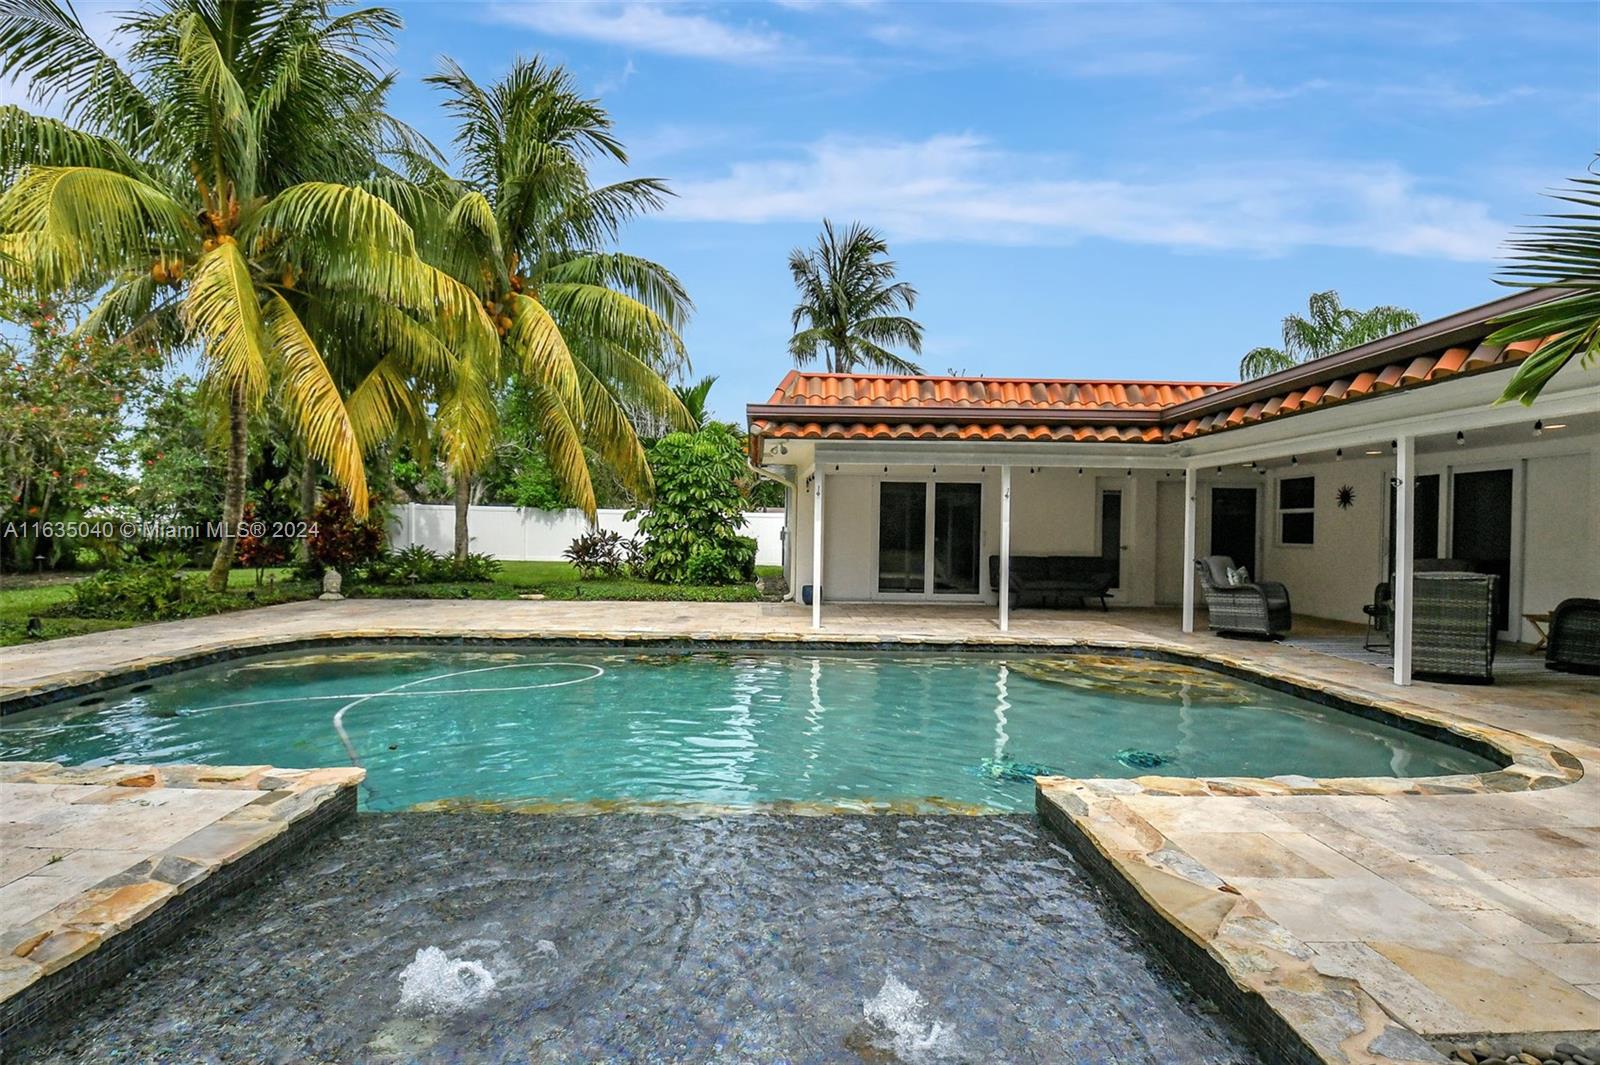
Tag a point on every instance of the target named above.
point(1538, 621)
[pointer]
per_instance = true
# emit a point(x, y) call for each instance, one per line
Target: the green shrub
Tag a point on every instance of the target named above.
point(419, 565)
point(340, 541)
point(707, 565)
point(602, 553)
point(698, 508)
point(411, 565)
point(144, 591)
point(475, 567)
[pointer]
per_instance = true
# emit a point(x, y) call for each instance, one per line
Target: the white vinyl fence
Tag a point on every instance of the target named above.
point(516, 534)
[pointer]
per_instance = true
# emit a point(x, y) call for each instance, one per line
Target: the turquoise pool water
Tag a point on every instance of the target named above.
point(855, 731)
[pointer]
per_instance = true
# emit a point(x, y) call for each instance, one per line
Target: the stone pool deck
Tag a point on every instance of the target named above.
point(1373, 917)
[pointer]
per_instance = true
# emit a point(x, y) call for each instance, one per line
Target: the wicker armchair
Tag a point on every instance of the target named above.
point(1452, 627)
point(1574, 642)
point(1261, 608)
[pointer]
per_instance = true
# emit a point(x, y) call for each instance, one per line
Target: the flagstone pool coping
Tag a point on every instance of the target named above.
point(1220, 938)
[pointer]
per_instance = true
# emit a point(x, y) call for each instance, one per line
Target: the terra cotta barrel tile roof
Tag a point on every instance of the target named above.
point(894, 407)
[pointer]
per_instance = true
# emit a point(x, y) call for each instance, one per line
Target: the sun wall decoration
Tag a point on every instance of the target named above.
point(1347, 497)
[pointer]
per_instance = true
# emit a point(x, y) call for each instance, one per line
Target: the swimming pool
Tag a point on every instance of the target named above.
point(617, 729)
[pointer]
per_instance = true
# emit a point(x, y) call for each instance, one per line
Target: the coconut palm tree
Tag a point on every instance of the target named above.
point(203, 191)
point(1562, 255)
point(852, 308)
point(589, 334)
point(1331, 327)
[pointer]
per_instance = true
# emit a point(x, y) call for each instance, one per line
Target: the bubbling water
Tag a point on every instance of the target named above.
point(899, 1014)
point(437, 983)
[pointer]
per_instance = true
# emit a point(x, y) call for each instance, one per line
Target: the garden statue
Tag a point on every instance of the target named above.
point(331, 583)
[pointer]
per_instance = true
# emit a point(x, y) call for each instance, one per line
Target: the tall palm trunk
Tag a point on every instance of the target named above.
point(308, 501)
point(233, 495)
point(463, 502)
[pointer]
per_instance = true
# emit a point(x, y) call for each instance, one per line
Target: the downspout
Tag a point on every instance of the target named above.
point(763, 472)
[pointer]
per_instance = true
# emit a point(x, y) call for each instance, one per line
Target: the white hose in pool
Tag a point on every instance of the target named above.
point(399, 689)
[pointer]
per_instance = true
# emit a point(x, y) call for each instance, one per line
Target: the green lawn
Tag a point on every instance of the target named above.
point(44, 598)
point(559, 580)
point(21, 600)
point(19, 603)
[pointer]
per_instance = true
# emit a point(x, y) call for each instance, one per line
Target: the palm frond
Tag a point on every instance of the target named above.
point(76, 224)
point(223, 309)
point(44, 46)
point(35, 140)
point(1562, 257)
point(384, 404)
point(540, 353)
point(562, 442)
point(314, 403)
point(608, 429)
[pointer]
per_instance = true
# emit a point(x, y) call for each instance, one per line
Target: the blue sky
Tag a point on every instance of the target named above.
point(1138, 190)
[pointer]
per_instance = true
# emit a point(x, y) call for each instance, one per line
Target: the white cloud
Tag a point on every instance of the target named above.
point(608, 85)
point(959, 188)
point(669, 29)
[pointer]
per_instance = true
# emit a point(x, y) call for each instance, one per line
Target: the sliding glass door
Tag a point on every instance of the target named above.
point(902, 532)
point(919, 521)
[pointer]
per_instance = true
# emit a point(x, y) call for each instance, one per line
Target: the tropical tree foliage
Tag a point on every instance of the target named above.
point(851, 310)
point(1562, 255)
point(207, 190)
point(1329, 327)
point(588, 334)
point(66, 403)
point(691, 530)
point(694, 396)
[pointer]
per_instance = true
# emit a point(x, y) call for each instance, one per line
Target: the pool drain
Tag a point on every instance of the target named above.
point(1136, 759)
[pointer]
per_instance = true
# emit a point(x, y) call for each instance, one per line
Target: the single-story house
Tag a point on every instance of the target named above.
point(923, 489)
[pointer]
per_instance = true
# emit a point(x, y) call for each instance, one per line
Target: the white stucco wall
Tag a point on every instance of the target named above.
point(1056, 511)
point(1335, 576)
point(1561, 536)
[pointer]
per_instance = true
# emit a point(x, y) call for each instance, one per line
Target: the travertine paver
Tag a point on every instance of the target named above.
point(1363, 910)
point(87, 854)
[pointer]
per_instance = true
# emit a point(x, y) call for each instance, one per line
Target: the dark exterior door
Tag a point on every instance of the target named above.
point(1424, 521)
point(1480, 529)
point(957, 537)
point(1111, 534)
point(1233, 526)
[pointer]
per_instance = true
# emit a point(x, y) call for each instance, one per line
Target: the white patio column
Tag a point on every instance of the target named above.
point(816, 549)
point(1405, 462)
point(1005, 548)
point(1190, 490)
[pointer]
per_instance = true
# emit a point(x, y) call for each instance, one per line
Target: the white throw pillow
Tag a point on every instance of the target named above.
point(1237, 577)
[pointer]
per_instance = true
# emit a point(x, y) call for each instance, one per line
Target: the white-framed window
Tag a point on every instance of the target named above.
point(1297, 514)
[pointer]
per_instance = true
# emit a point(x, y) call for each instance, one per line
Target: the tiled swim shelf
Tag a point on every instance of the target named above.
point(100, 866)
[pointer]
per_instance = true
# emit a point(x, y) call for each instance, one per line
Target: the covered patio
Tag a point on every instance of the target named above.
point(1339, 479)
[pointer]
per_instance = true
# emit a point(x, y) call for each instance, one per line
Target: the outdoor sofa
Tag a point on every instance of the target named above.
point(1055, 580)
point(1260, 608)
point(1574, 640)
